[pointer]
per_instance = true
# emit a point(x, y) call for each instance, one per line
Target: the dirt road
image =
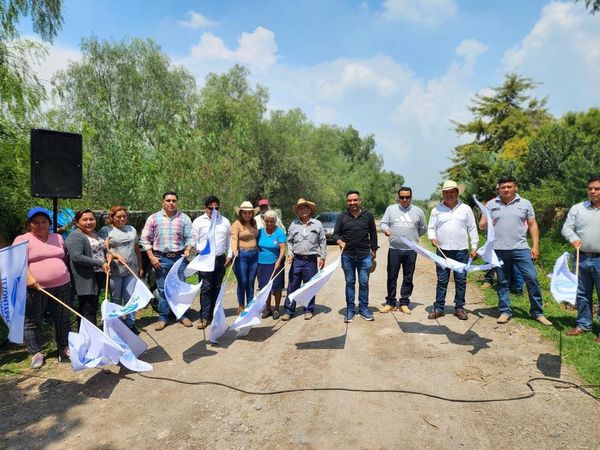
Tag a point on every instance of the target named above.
point(169, 407)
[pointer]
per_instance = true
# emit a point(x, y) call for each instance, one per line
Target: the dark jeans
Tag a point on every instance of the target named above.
point(88, 304)
point(353, 265)
point(245, 268)
point(396, 259)
point(35, 305)
point(589, 278)
point(164, 310)
point(302, 271)
point(521, 259)
point(211, 285)
point(516, 280)
point(443, 277)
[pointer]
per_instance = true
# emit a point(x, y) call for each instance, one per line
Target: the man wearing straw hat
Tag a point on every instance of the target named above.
point(451, 227)
point(512, 217)
point(211, 281)
point(582, 230)
point(307, 249)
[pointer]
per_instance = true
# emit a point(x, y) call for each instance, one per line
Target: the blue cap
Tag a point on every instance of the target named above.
point(38, 210)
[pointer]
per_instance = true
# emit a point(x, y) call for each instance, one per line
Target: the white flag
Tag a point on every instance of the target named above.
point(179, 294)
point(563, 284)
point(250, 316)
point(447, 263)
point(205, 260)
point(13, 275)
point(486, 251)
point(309, 289)
point(219, 323)
point(139, 299)
point(92, 348)
point(131, 345)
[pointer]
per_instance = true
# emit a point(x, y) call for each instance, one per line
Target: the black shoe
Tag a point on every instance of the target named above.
point(134, 329)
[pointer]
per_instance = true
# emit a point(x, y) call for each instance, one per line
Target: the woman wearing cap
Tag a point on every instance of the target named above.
point(88, 263)
point(243, 246)
point(271, 252)
point(48, 270)
point(122, 243)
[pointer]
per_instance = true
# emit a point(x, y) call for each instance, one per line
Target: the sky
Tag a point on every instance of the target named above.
point(402, 70)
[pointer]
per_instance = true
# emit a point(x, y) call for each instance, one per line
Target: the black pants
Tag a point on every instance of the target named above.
point(396, 259)
point(35, 305)
point(88, 304)
point(211, 285)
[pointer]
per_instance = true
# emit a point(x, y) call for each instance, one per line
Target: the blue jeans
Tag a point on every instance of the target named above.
point(589, 277)
point(245, 268)
point(443, 277)
point(302, 271)
point(395, 259)
point(351, 266)
point(164, 310)
point(521, 259)
point(121, 289)
point(211, 286)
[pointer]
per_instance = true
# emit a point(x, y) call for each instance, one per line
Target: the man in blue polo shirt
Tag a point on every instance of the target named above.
point(512, 217)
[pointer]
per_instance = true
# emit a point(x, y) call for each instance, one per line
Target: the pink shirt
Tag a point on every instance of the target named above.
point(47, 259)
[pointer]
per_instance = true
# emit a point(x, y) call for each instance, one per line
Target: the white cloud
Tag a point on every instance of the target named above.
point(426, 12)
point(257, 50)
point(562, 51)
point(196, 20)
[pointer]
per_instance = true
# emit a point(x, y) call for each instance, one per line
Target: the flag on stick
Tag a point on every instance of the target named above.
point(139, 299)
point(250, 316)
point(205, 260)
point(219, 323)
point(91, 348)
point(486, 251)
point(563, 283)
point(304, 294)
point(179, 294)
point(13, 276)
point(131, 345)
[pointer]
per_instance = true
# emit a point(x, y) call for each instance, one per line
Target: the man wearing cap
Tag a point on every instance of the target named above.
point(307, 250)
point(582, 230)
point(167, 235)
point(356, 235)
point(263, 207)
point(407, 221)
point(451, 227)
point(512, 217)
point(211, 281)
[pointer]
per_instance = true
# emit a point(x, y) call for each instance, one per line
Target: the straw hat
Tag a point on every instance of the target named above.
point(303, 202)
point(449, 185)
point(246, 206)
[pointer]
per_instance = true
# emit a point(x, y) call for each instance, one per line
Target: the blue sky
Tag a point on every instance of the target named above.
point(399, 69)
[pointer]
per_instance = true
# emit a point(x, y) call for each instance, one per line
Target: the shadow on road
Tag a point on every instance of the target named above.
point(549, 365)
point(332, 343)
point(197, 351)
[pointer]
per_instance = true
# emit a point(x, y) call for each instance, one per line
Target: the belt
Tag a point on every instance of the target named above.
point(306, 257)
point(247, 249)
point(169, 254)
point(591, 254)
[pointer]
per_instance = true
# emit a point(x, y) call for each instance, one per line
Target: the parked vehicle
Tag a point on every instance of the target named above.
point(328, 220)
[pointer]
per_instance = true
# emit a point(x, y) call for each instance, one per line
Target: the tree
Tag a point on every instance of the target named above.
point(592, 5)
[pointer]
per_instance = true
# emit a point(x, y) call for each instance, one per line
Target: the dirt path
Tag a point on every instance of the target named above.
point(474, 359)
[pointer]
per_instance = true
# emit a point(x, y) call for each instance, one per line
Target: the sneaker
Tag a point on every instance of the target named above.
point(366, 315)
point(286, 317)
point(404, 309)
point(266, 313)
point(504, 318)
point(37, 361)
point(275, 315)
point(387, 309)
point(349, 316)
point(543, 321)
point(308, 315)
point(160, 325)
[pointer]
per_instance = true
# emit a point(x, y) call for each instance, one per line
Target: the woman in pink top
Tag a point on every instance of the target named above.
point(48, 270)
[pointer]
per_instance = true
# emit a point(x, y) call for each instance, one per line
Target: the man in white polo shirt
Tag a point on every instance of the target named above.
point(451, 227)
point(512, 217)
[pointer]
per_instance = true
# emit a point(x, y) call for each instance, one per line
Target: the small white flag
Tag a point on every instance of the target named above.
point(205, 260)
point(139, 299)
point(563, 283)
point(131, 345)
point(304, 294)
point(13, 275)
point(486, 251)
point(219, 323)
point(91, 348)
point(250, 316)
point(179, 294)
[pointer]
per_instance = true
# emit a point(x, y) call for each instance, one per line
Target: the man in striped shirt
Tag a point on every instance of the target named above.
point(167, 235)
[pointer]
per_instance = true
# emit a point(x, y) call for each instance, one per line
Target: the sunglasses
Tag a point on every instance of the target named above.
point(213, 207)
point(405, 197)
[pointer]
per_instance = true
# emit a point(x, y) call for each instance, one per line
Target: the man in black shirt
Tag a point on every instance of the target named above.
point(356, 235)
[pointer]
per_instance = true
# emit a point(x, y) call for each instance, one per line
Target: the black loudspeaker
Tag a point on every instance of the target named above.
point(56, 164)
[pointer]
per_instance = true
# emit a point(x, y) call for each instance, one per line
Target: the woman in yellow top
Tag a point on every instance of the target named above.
point(244, 247)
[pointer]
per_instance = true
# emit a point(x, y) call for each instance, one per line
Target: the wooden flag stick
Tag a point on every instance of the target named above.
point(285, 264)
point(440, 250)
point(577, 264)
point(61, 302)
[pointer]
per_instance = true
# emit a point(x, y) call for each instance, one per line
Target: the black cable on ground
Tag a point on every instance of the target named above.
point(532, 393)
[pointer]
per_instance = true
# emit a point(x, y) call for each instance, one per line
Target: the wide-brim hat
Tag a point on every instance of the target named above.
point(246, 206)
point(304, 202)
point(449, 185)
